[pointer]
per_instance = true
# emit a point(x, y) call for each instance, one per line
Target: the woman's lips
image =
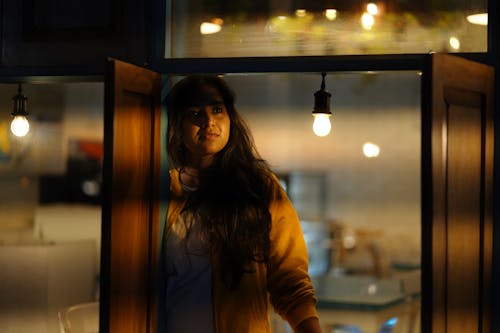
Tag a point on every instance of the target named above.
point(209, 136)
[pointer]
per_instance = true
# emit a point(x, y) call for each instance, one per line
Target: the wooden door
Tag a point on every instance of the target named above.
point(457, 169)
point(457, 164)
point(130, 223)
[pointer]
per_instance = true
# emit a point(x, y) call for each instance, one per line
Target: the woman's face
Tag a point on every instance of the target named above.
point(205, 127)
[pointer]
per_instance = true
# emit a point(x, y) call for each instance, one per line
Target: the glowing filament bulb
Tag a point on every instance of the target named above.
point(300, 12)
point(454, 43)
point(367, 21)
point(480, 19)
point(331, 14)
point(207, 28)
point(20, 126)
point(372, 8)
point(371, 150)
point(321, 125)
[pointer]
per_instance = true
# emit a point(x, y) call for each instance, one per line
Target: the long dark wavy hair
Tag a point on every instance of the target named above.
point(235, 192)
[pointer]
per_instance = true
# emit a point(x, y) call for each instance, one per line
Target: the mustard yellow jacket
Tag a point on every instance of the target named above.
point(284, 281)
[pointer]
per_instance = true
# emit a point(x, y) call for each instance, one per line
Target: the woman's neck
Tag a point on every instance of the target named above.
point(200, 162)
point(190, 171)
point(188, 177)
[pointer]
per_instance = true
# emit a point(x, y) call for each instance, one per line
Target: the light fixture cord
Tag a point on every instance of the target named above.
point(323, 80)
point(19, 102)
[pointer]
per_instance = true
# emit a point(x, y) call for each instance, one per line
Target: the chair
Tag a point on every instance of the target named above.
point(80, 318)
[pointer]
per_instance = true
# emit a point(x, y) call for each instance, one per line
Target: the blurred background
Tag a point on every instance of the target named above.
point(356, 190)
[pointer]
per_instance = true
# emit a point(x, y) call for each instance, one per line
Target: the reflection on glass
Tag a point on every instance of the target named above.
point(479, 19)
point(367, 21)
point(360, 216)
point(50, 207)
point(371, 150)
point(331, 14)
point(372, 8)
point(344, 27)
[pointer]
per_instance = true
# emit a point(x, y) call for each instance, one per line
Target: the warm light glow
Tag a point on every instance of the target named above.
point(349, 242)
point(207, 28)
point(300, 12)
point(367, 21)
point(372, 8)
point(372, 289)
point(321, 124)
point(454, 43)
point(91, 187)
point(24, 182)
point(331, 14)
point(480, 19)
point(281, 17)
point(20, 126)
point(371, 150)
point(217, 20)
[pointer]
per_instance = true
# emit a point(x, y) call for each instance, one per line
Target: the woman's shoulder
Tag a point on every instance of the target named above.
point(278, 191)
point(175, 185)
point(173, 173)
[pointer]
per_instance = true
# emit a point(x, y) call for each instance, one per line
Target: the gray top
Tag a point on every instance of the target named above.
point(189, 279)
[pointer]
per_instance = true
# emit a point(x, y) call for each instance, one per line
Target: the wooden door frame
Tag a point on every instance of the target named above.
point(434, 164)
point(130, 236)
point(432, 254)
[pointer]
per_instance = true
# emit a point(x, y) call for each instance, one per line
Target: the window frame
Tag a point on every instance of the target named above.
point(345, 63)
point(179, 66)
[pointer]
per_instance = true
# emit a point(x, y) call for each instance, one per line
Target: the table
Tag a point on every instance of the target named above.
point(367, 303)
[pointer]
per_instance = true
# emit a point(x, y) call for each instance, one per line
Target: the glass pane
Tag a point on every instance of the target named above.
point(50, 207)
point(209, 28)
point(356, 190)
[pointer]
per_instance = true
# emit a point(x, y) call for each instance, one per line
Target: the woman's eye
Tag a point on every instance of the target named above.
point(194, 113)
point(217, 109)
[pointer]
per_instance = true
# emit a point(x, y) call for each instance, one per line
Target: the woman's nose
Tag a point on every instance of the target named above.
point(208, 118)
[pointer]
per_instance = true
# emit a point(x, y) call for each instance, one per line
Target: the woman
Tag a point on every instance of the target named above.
point(233, 239)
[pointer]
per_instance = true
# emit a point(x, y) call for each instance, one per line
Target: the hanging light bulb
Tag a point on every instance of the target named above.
point(479, 19)
point(321, 112)
point(19, 125)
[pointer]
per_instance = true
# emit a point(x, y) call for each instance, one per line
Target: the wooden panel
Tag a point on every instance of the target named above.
point(130, 210)
point(464, 218)
point(457, 164)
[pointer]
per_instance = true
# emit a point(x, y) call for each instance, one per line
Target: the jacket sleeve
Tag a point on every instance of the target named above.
point(291, 291)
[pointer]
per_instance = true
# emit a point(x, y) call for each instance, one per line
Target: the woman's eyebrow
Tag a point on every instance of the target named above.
point(206, 101)
point(216, 101)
